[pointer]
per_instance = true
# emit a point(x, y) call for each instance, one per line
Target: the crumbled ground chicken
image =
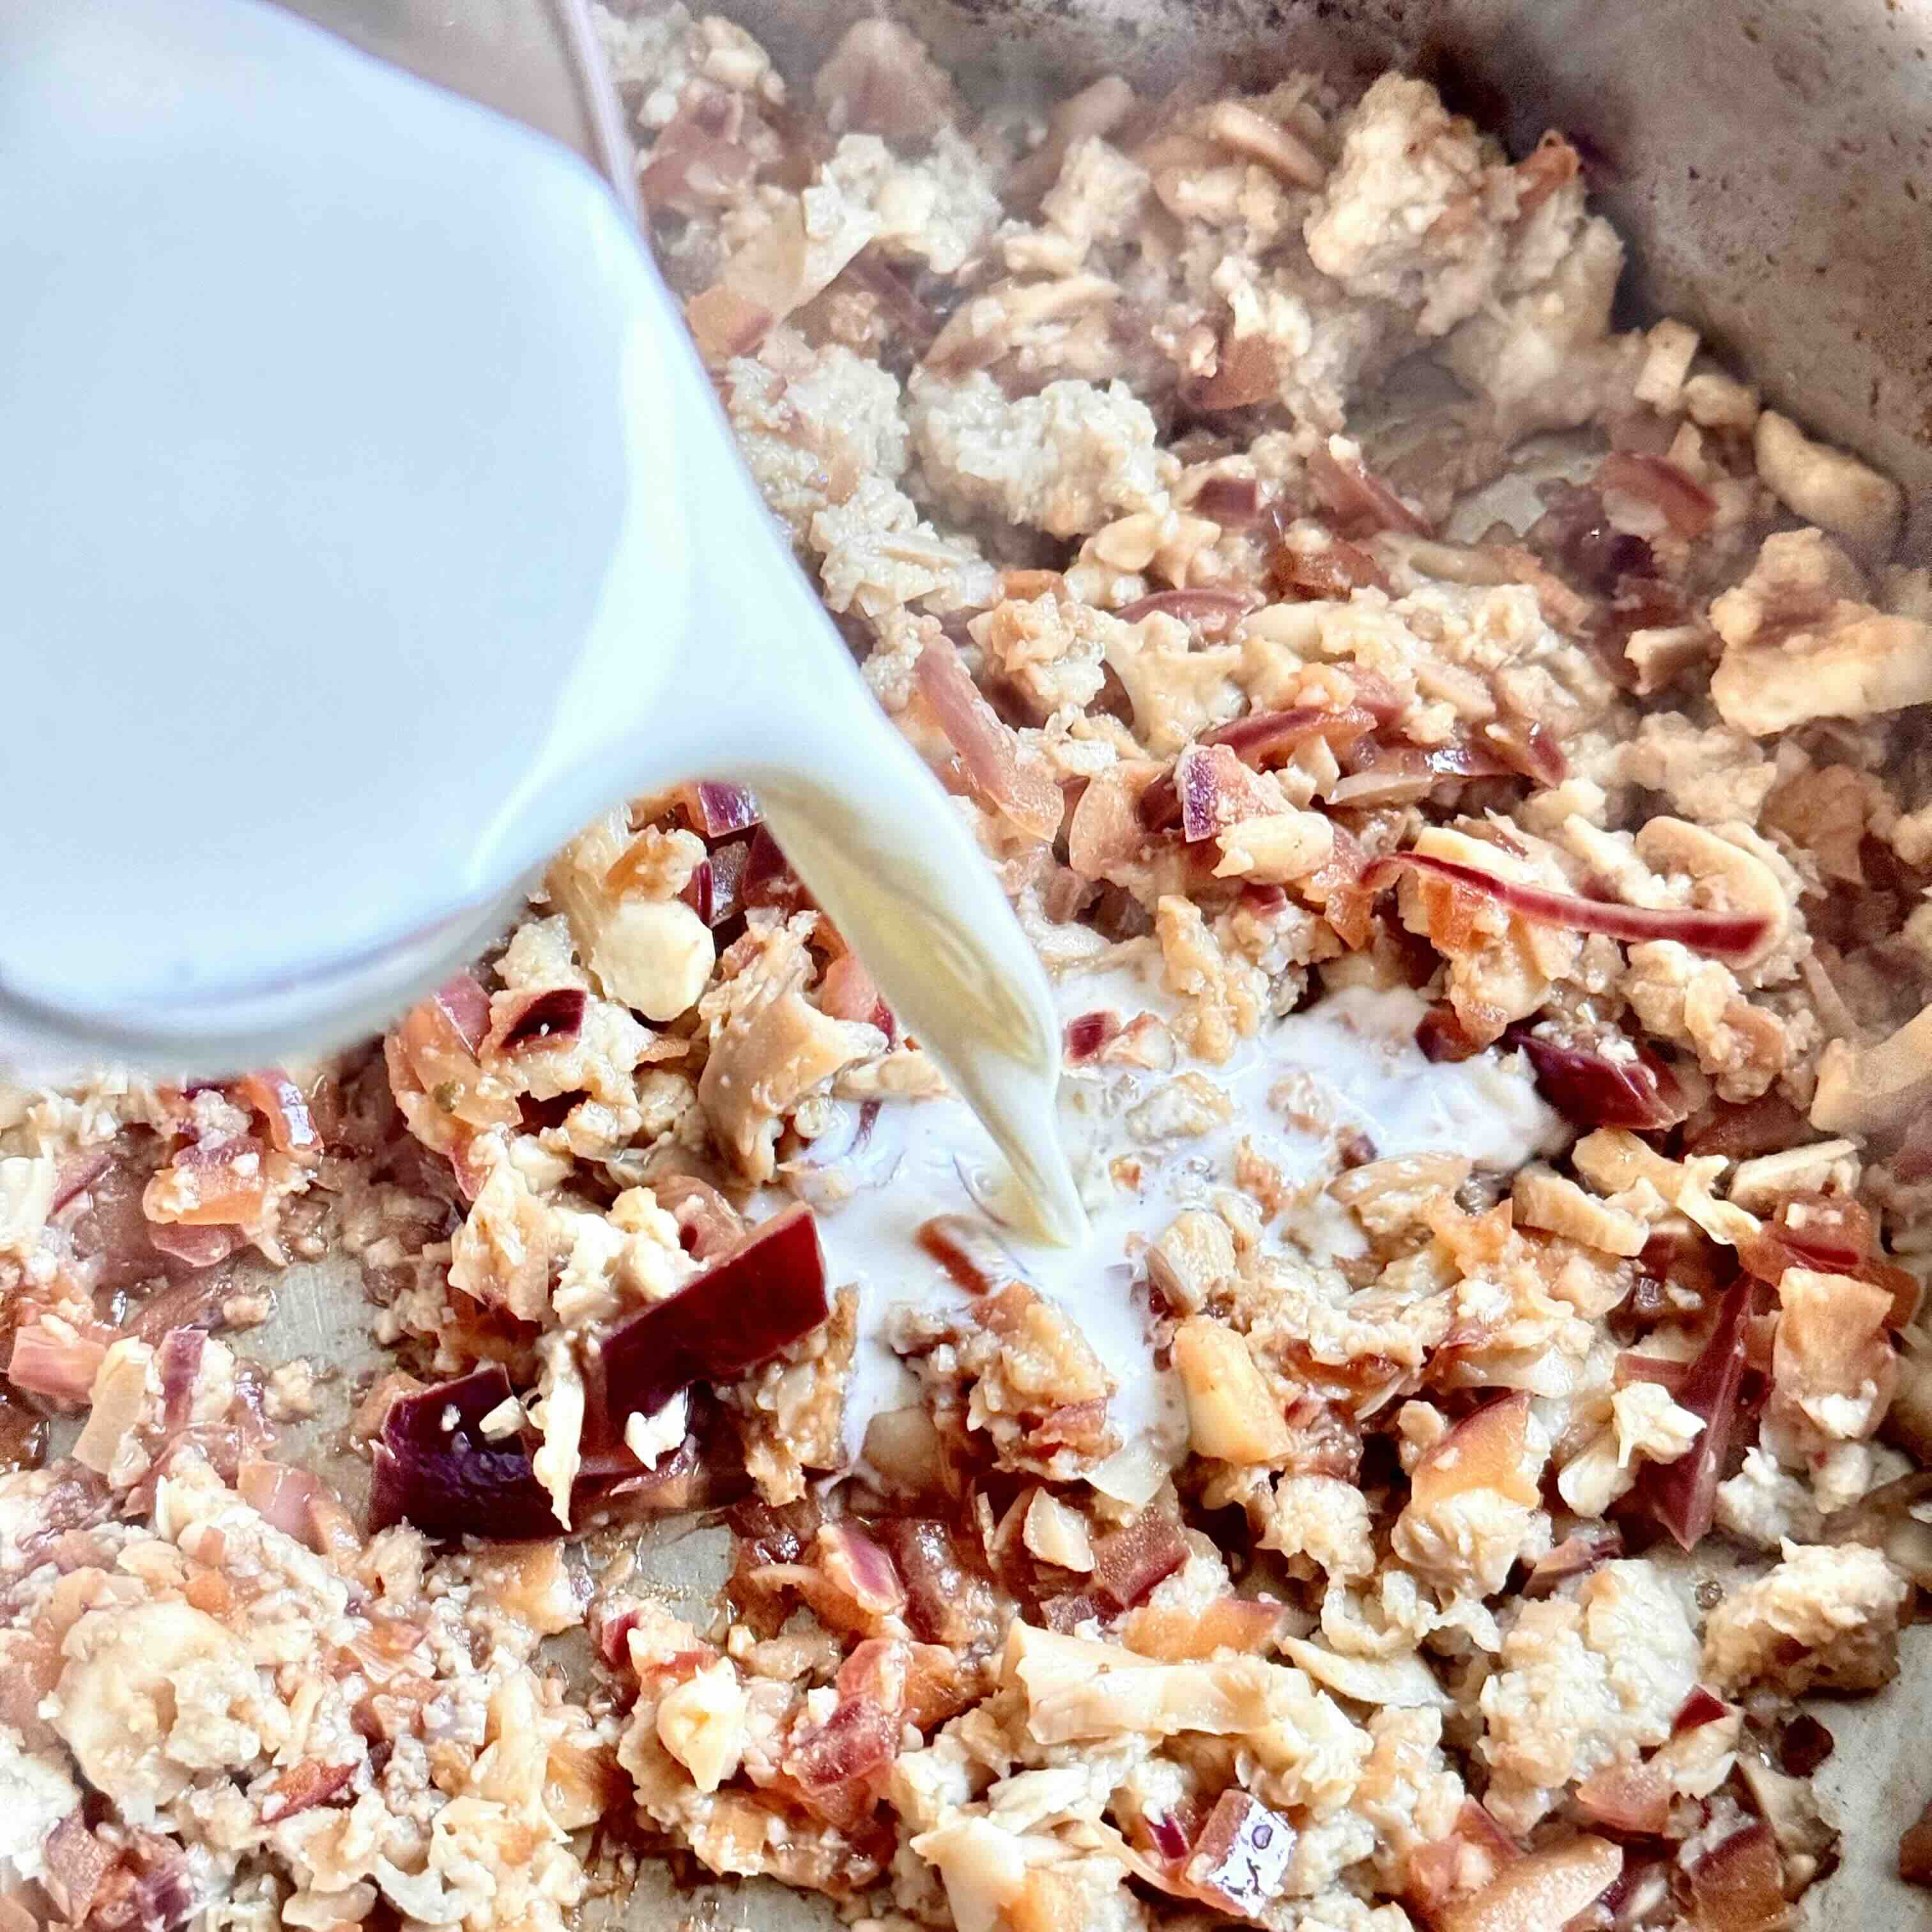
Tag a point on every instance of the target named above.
point(1329, 1548)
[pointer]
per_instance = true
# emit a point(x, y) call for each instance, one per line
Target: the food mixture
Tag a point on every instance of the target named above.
point(1460, 762)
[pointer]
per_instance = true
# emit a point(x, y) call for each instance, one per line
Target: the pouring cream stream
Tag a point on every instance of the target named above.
point(383, 528)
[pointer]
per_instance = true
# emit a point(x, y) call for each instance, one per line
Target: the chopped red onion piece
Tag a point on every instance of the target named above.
point(861, 1568)
point(1587, 1547)
point(698, 161)
point(719, 810)
point(1331, 575)
point(998, 770)
point(1215, 791)
point(1234, 502)
point(178, 1361)
point(1688, 507)
point(946, 1602)
point(1665, 1370)
point(974, 1260)
point(1214, 613)
point(165, 1894)
point(303, 1786)
point(1241, 1860)
point(280, 1494)
point(199, 1247)
point(285, 1107)
point(1360, 503)
point(1834, 1237)
point(1738, 1885)
point(1066, 1613)
point(1733, 937)
point(1529, 748)
point(453, 1481)
point(750, 1302)
point(1613, 1081)
point(1168, 1836)
point(467, 1007)
point(1128, 1563)
point(547, 1018)
point(880, 277)
point(848, 991)
point(1701, 1708)
point(74, 1861)
point(58, 1366)
point(840, 1766)
point(76, 1173)
point(1088, 1035)
point(1260, 739)
point(708, 1225)
point(1626, 1796)
point(1682, 1495)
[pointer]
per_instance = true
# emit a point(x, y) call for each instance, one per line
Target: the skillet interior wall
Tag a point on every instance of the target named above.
point(1768, 161)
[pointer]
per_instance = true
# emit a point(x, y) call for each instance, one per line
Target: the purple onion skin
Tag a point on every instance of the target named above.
point(452, 1482)
point(749, 1303)
point(455, 1482)
point(1590, 1090)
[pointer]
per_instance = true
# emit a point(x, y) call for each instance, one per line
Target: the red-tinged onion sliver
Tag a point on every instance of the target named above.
point(1261, 739)
point(1529, 748)
point(1214, 612)
point(698, 161)
point(848, 991)
point(60, 1366)
point(840, 1766)
point(1626, 1796)
point(1215, 791)
point(278, 1493)
point(1129, 1563)
point(1738, 1885)
point(999, 771)
point(196, 1245)
point(1168, 1836)
point(165, 1895)
point(78, 1172)
point(1593, 1088)
point(1331, 575)
point(1632, 1365)
point(1686, 506)
point(548, 1018)
point(178, 1362)
point(454, 1481)
point(1234, 502)
point(285, 1107)
point(1087, 1036)
point(1735, 937)
point(1587, 1548)
point(719, 810)
point(75, 1860)
point(1700, 1708)
point(463, 1002)
point(862, 1567)
point(708, 1225)
point(1682, 1495)
point(1240, 1862)
point(975, 1261)
point(1360, 503)
point(750, 1302)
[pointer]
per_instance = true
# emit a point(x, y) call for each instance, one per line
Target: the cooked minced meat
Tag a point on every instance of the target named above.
point(1495, 981)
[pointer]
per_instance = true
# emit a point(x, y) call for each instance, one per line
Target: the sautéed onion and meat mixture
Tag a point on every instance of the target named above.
point(1460, 761)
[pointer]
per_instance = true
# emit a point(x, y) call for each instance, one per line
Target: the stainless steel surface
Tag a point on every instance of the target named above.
point(1768, 162)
